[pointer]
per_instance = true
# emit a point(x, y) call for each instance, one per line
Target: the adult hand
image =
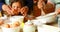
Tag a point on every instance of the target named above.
point(12, 12)
point(7, 9)
point(9, 12)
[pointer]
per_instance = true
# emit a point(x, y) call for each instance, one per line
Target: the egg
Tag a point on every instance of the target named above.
point(7, 25)
point(15, 24)
point(1, 22)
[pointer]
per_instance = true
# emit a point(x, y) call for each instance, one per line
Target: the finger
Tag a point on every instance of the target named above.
point(8, 12)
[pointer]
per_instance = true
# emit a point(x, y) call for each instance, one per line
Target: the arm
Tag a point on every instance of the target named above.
point(40, 4)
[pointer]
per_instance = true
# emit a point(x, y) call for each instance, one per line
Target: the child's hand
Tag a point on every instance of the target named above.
point(24, 11)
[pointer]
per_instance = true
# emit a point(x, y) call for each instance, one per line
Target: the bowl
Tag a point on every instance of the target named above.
point(10, 28)
point(51, 17)
point(47, 28)
point(16, 29)
point(17, 18)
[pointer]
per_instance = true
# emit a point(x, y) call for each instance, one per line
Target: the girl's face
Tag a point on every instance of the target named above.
point(16, 5)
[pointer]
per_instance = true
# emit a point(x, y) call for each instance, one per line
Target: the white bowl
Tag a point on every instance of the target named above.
point(47, 28)
point(17, 18)
point(11, 29)
point(16, 29)
point(47, 18)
